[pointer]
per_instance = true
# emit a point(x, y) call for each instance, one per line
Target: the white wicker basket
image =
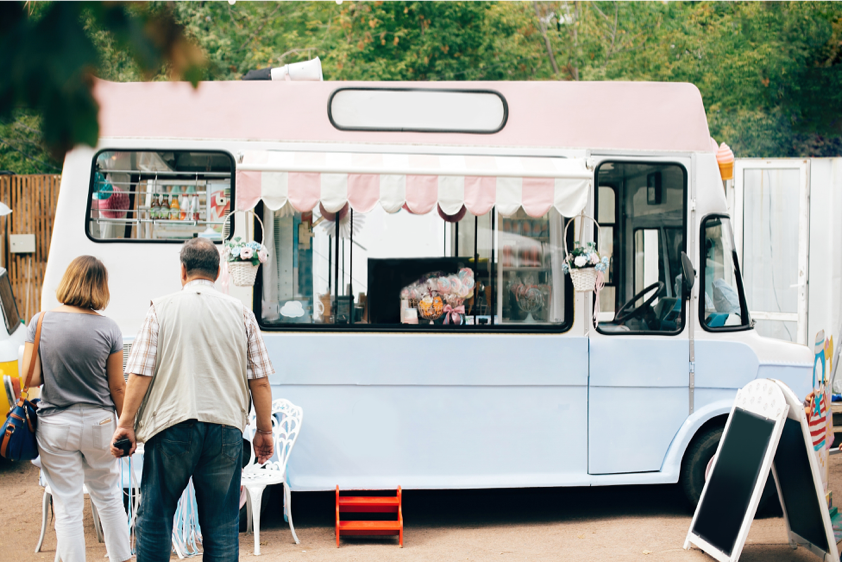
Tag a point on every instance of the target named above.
point(584, 280)
point(243, 273)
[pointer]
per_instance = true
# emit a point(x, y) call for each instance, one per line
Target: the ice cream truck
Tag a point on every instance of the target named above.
point(416, 300)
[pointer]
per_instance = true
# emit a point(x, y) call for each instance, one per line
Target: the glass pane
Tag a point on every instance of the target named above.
point(10, 307)
point(770, 239)
point(722, 306)
point(606, 248)
point(163, 195)
point(406, 269)
point(647, 252)
point(531, 281)
point(647, 207)
point(607, 206)
point(777, 329)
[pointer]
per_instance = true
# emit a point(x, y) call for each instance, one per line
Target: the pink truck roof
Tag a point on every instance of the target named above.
point(635, 116)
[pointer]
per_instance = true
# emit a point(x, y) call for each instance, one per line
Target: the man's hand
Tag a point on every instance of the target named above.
point(122, 432)
point(261, 395)
point(264, 446)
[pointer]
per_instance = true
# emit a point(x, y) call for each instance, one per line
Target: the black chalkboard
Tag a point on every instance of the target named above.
point(795, 479)
point(387, 276)
point(727, 495)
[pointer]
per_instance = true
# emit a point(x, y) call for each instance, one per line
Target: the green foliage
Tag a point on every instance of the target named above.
point(22, 148)
point(770, 73)
point(50, 60)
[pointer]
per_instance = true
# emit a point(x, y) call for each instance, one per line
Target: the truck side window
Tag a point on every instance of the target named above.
point(10, 307)
point(404, 271)
point(723, 304)
point(155, 196)
point(642, 230)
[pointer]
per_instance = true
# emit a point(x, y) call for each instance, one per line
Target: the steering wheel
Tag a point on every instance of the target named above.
point(623, 314)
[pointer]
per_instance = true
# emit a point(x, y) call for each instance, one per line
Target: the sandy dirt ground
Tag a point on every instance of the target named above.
point(647, 523)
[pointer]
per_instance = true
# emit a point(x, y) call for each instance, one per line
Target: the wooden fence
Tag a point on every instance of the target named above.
point(33, 203)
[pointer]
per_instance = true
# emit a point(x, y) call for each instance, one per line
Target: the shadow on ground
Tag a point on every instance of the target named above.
point(470, 508)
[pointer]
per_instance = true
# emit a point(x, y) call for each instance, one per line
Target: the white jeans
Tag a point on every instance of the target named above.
point(75, 449)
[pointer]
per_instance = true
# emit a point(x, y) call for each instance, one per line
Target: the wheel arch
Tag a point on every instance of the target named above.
point(711, 415)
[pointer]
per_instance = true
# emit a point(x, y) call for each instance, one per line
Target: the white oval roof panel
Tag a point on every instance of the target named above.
point(417, 110)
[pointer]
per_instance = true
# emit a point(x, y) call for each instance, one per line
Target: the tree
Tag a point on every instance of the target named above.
point(770, 73)
point(50, 61)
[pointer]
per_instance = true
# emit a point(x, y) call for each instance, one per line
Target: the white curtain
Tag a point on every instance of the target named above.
point(556, 256)
point(270, 268)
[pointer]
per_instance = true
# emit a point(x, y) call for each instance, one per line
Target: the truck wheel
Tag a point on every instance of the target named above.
point(770, 505)
point(695, 462)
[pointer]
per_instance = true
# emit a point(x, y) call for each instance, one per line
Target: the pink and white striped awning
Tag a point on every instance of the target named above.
point(305, 179)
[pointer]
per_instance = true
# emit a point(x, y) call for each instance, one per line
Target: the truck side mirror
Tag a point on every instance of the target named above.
point(688, 273)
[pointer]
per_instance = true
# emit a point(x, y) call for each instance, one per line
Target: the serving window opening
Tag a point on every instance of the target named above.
point(159, 196)
point(405, 271)
point(641, 208)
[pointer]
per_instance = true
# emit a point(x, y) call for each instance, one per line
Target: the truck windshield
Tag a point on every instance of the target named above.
point(723, 304)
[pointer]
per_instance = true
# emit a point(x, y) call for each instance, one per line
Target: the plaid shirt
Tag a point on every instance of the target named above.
point(145, 347)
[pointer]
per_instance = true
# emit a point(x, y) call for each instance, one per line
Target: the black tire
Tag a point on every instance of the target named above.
point(769, 505)
point(695, 462)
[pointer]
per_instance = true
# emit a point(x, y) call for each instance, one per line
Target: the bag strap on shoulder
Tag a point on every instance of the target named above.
point(24, 393)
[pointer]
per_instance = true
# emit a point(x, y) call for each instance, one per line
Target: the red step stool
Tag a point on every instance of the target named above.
point(369, 504)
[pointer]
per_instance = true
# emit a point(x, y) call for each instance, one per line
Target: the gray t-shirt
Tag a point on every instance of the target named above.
point(74, 349)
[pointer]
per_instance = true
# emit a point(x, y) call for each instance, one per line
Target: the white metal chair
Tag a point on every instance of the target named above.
point(45, 504)
point(132, 480)
point(286, 425)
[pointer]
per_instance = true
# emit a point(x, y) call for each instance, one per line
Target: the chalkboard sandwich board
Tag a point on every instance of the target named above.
point(800, 489)
point(740, 468)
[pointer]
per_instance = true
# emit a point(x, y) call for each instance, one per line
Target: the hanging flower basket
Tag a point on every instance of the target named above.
point(243, 258)
point(584, 263)
point(243, 273)
point(584, 280)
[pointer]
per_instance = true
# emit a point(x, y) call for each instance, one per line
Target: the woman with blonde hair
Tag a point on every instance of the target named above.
point(80, 364)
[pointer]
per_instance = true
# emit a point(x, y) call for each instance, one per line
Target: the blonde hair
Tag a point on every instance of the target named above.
point(84, 284)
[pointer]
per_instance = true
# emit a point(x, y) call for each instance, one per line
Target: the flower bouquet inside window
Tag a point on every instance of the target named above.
point(585, 266)
point(439, 293)
point(243, 260)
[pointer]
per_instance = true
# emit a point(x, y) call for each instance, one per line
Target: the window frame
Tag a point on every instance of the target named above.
point(420, 328)
point(685, 307)
point(747, 324)
point(92, 178)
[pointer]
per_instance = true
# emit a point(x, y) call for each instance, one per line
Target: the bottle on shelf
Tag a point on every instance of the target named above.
point(153, 207)
point(175, 207)
point(192, 204)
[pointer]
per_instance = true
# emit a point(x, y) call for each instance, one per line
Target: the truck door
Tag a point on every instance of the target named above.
point(772, 231)
point(638, 387)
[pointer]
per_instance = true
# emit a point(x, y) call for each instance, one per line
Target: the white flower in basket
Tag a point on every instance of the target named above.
point(583, 263)
point(243, 260)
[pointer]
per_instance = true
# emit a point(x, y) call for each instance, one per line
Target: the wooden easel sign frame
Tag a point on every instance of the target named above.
point(799, 484)
point(741, 465)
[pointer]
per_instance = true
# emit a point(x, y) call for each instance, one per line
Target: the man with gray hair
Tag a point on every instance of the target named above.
point(192, 365)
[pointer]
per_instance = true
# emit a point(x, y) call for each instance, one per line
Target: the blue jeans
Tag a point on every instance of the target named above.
point(212, 455)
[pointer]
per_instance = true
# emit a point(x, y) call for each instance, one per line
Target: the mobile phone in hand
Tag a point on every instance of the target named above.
point(124, 444)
